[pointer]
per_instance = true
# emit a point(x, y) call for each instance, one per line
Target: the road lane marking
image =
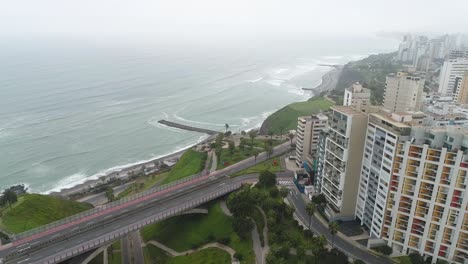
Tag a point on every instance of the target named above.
point(21, 261)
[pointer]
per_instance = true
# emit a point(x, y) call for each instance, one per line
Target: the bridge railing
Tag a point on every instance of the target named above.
point(105, 207)
point(112, 236)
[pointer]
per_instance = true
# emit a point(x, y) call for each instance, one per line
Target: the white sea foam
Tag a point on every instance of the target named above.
point(79, 178)
point(275, 82)
point(248, 123)
point(195, 122)
point(256, 80)
point(281, 71)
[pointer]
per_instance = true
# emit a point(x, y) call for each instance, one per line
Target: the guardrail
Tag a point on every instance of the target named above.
point(102, 208)
point(105, 239)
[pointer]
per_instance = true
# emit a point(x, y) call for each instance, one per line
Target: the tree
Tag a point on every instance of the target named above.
point(232, 147)
point(242, 226)
point(252, 135)
point(271, 134)
point(283, 192)
point(310, 209)
point(255, 156)
point(226, 126)
point(110, 194)
point(333, 227)
point(9, 197)
point(267, 179)
point(335, 256)
point(290, 136)
point(241, 204)
point(243, 133)
point(242, 146)
point(281, 129)
point(415, 258)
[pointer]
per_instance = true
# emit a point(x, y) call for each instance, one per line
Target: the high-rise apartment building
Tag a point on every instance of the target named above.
point(308, 130)
point(403, 92)
point(449, 72)
point(339, 160)
point(458, 54)
point(357, 97)
point(461, 88)
point(412, 190)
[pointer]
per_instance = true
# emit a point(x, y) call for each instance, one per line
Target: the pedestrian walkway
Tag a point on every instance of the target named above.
point(209, 245)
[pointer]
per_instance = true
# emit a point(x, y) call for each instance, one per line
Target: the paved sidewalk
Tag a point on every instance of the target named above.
point(209, 245)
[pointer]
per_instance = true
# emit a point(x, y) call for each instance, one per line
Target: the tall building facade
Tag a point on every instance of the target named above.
point(403, 92)
point(339, 160)
point(449, 72)
point(307, 132)
point(461, 88)
point(357, 97)
point(412, 191)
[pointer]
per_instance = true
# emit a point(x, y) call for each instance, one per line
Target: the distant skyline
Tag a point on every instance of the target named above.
point(177, 18)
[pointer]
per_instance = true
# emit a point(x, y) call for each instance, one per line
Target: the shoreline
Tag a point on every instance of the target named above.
point(123, 173)
point(328, 83)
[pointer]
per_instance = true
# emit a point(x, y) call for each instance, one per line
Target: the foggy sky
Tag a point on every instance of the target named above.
point(156, 18)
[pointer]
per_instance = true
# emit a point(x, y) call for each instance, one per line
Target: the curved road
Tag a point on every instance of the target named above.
point(318, 228)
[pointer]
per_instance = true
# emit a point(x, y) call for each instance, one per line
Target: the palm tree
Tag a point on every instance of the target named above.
point(227, 126)
point(255, 156)
point(271, 134)
point(281, 129)
point(333, 227)
point(310, 209)
point(252, 135)
point(290, 136)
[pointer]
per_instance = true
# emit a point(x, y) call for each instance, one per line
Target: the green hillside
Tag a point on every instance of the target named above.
point(33, 210)
point(285, 119)
point(191, 162)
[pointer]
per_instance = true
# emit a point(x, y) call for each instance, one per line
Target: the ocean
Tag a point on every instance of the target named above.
point(72, 110)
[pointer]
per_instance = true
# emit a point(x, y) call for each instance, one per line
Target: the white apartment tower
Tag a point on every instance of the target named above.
point(339, 160)
point(357, 96)
point(403, 92)
point(413, 187)
point(449, 72)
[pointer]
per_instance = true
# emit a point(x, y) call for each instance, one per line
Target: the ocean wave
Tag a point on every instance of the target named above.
point(155, 123)
point(80, 177)
point(196, 122)
point(252, 122)
point(275, 82)
point(256, 80)
point(278, 71)
point(332, 57)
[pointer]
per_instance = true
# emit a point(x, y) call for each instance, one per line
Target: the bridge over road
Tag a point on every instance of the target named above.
point(87, 231)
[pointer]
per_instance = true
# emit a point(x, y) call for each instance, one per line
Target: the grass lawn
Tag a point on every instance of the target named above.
point(99, 259)
point(205, 256)
point(262, 166)
point(260, 143)
point(33, 210)
point(116, 256)
point(227, 159)
point(191, 162)
point(403, 260)
point(286, 117)
point(186, 232)
point(143, 183)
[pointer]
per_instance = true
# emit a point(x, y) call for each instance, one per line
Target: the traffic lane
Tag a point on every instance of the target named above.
point(339, 242)
point(62, 247)
point(70, 226)
point(75, 226)
point(125, 250)
point(234, 168)
point(137, 249)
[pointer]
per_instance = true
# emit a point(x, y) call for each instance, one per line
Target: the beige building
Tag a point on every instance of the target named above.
point(308, 130)
point(339, 160)
point(403, 92)
point(461, 86)
point(358, 97)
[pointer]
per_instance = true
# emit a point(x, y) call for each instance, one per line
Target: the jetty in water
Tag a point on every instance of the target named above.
point(189, 128)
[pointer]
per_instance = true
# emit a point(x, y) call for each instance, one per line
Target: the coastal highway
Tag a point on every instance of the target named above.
point(60, 239)
point(318, 228)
